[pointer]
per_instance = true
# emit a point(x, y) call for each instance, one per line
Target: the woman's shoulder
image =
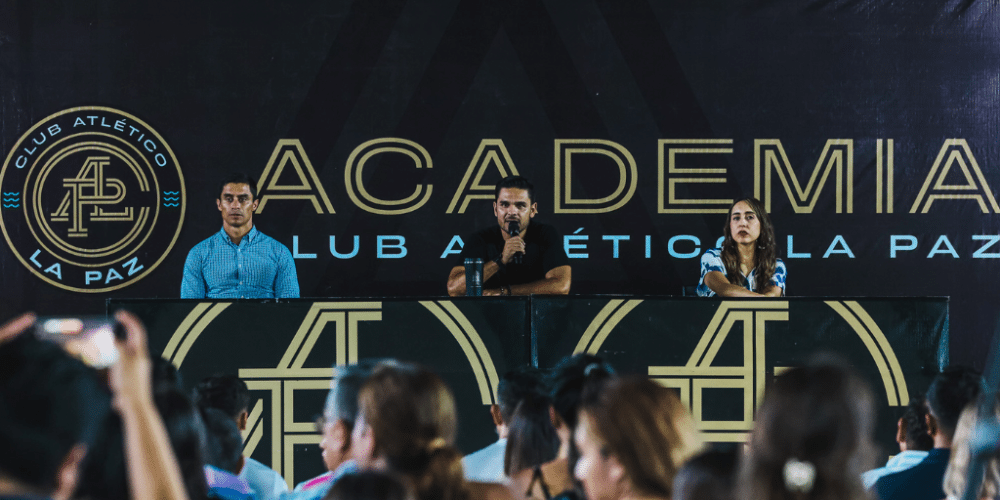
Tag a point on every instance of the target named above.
point(712, 253)
point(779, 265)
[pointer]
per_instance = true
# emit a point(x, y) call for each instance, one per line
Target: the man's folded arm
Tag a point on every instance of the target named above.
point(556, 282)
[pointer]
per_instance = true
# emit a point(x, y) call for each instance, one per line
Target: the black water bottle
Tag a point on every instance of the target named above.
point(474, 277)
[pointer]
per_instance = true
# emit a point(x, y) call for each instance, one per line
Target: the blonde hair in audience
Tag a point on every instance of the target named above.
point(958, 465)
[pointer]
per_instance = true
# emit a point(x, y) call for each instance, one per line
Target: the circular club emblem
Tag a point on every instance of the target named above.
point(93, 199)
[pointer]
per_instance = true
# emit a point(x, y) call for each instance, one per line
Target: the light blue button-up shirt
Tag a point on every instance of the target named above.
point(258, 268)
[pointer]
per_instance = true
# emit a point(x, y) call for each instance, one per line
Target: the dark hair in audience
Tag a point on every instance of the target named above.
point(765, 255)
point(49, 402)
point(187, 438)
point(948, 394)
point(223, 442)
point(166, 375)
point(531, 439)
point(710, 475)
point(646, 427)
point(915, 424)
point(343, 398)
point(369, 485)
point(411, 413)
point(515, 182)
point(104, 475)
point(816, 419)
point(223, 392)
point(515, 386)
point(238, 178)
point(568, 380)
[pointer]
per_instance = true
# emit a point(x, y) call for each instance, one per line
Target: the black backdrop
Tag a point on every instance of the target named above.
point(224, 83)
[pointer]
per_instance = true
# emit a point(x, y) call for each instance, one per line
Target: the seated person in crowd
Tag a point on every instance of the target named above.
point(914, 442)
point(230, 395)
point(633, 436)
point(957, 473)
point(337, 425)
point(747, 265)
point(369, 485)
point(487, 464)
point(406, 425)
point(51, 404)
point(949, 393)
point(532, 447)
point(224, 457)
point(569, 380)
point(520, 257)
point(710, 475)
point(187, 438)
point(239, 262)
point(812, 437)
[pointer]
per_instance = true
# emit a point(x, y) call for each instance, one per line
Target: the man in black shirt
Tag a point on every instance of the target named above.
point(543, 267)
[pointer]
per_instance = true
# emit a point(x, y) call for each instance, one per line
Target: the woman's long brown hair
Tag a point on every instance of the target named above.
point(765, 254)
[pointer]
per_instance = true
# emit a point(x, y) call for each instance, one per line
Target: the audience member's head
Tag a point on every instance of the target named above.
point(812, 438)
point(949, 393)
point(531, 439)
point(166, 375)
point(104, 472)
point(226, 393)
point(567, 382)
point(341, 411)
point(223, 442)
point(50, 409)
point(514, 386)
point(406, 424)
point(956, 476)
point(187, 438)
point(369, 485)
point(632, 437)
point(912, 427)
point(710, 475)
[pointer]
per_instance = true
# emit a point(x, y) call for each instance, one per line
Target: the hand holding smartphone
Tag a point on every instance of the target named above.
point(88, 338)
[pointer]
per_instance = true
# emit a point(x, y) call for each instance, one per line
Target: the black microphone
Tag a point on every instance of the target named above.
point(514, 229)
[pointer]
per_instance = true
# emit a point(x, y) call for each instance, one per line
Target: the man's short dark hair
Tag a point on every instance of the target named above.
point(515, 386)
point(223, 442)
point(515, 182)
point(343, 398)
point(238, 178)
point(223, 392)
point(949, 392)
point(49, 402)
point(916, 426)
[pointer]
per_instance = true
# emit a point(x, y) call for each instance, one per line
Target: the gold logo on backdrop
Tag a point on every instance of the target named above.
point(90, 187)
point(93, 199)
point(346, 320)
point(701, 373)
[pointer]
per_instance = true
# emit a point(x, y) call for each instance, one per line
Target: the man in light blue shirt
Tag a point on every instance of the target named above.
point(239, 262)
point(914, 443)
